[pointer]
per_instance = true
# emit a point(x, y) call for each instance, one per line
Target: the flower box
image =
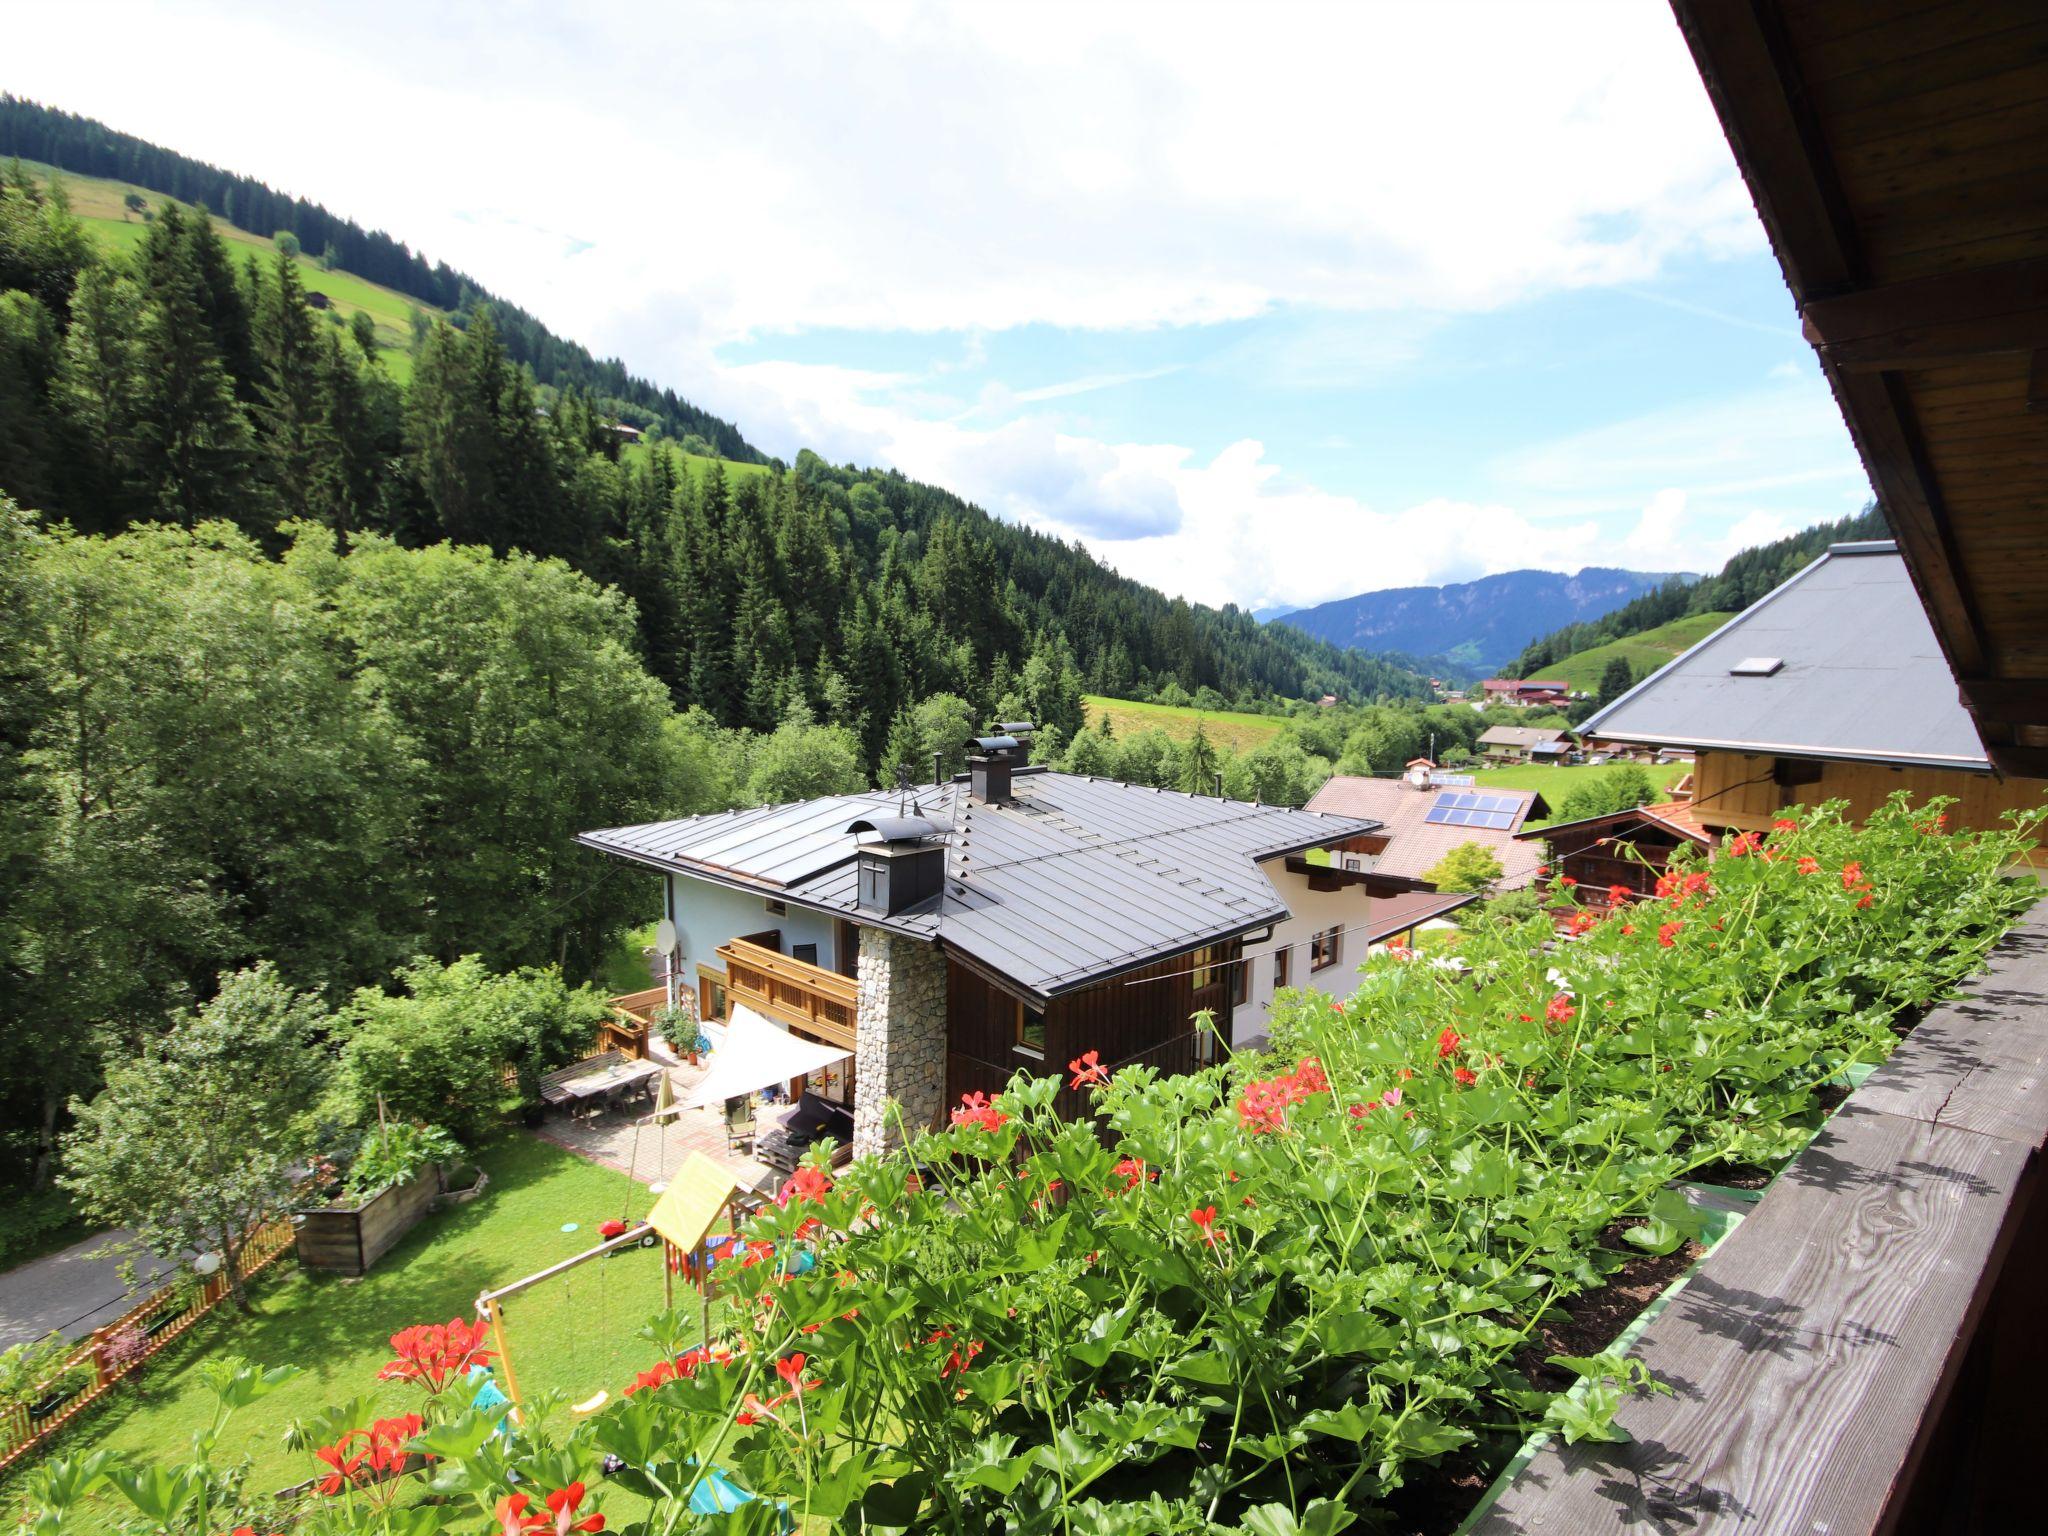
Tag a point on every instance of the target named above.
point(348, 1239)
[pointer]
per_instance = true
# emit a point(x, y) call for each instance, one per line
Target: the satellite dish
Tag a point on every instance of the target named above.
point(665, 937)
point(206, 1263)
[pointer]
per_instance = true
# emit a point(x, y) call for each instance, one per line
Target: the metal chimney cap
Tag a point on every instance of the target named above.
point(1019, 728)
point(987, 745)
point(895, 829)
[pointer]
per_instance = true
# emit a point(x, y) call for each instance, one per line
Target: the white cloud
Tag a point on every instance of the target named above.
point(752, 168)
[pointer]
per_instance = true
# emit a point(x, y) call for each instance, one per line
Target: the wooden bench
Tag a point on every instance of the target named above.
point(1864, 1353)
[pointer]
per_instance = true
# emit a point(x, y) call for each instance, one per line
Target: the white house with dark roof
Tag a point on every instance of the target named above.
point(949, 935)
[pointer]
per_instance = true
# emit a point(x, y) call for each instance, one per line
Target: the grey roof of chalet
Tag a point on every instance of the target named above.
point(1072, 880)
point(1862, 678)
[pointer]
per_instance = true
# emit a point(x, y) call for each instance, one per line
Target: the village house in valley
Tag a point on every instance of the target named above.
point(1421, 819)
point(1830, 687)
point(1010, 918)
point(1525, 743)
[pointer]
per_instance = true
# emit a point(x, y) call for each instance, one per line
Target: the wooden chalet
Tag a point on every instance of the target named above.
point(1864, 1353)
point(1830, 687)
point(1629, 850)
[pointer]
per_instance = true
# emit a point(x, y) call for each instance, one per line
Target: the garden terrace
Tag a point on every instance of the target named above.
point(1864, 1352)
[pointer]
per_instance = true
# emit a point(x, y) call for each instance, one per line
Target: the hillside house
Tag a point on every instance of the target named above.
point(1522, 743)
point(1526, 693)
point(1010, 918)
point(1832, 686)
point(1419, 821)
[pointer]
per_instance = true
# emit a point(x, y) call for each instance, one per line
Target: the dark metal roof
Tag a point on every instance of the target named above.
point(1863, 679)
point(1071, 880)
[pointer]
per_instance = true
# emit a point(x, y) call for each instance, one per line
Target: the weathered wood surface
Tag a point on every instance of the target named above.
point(1814, 1347)
point(348, 1241)
point(1980, 1062)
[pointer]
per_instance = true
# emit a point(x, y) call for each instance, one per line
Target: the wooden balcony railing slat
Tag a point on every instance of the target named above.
point(1814, 1352)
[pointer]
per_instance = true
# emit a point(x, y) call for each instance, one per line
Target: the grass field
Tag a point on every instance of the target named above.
point(1127, 718)
point(696, 465)
point(1556, 783)
point(575, 1334)
point(1645, 652)
point(99, 206)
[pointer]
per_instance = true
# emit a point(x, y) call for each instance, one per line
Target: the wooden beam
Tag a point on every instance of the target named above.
point(2037, 381)
point(1880, 419)
point(2018, 762)
point(1943, 302)
point(2017, 700)
point(1753, 77)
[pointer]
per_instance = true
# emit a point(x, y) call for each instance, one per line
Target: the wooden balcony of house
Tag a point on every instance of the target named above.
point(631, 1021)
point(796, 993)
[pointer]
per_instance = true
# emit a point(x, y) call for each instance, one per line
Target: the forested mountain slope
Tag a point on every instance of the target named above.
point(178, 383)
point(1474, 624)
point(31, 131)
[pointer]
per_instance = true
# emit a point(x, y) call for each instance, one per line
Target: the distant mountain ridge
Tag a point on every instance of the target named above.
point(1477, 623)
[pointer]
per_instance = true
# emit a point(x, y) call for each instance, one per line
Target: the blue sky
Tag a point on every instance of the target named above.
point(1263, 305)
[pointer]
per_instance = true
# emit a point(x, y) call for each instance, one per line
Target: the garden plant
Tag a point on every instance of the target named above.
point(1294, 1293)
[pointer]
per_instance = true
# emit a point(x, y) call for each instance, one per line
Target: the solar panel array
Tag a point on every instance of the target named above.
point(1496, 813)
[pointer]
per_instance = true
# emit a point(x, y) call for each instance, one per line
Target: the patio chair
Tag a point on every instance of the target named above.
point(739, 1123)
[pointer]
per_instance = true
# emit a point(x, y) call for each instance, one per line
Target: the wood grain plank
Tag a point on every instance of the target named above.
point(1806, 1353)
point(1980, 1062)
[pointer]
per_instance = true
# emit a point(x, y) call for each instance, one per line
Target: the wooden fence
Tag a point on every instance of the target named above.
point(160, 1318)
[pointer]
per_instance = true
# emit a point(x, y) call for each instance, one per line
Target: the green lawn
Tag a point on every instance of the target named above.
point(1557, 782)
point(1127, 717)
point(1645, 652)
point(625, 965)
point(575, 1334)
point(99, 206)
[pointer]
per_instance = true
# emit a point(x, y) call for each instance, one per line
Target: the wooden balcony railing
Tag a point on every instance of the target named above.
point(813, 999)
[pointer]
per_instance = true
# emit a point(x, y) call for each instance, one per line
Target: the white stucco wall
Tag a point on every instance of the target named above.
point(1313, 911)
point(708, 915)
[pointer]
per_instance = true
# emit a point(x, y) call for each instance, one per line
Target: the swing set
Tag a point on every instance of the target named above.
point(681, 1221)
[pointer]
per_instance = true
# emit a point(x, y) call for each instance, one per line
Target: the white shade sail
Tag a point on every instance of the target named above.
point(758, 1051)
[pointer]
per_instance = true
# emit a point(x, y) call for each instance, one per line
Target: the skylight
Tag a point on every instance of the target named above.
point(1756, 666)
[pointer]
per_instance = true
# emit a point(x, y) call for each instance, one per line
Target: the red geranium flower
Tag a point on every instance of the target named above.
point(1667, 934)
point(432, 1354)
point(1447, 1043)
point(1133, 1172)
point(1560, 1009)
point(958, 1361)
point(562, 1504)
point(1087, 1068)
point(979, 1109)
point(1464, 1076)
point(346, 1467)
point(1784, 824)
point(512, 1517)
point(1204, 1218)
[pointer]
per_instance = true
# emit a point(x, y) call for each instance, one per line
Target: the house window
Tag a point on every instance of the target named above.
point(776, 908)
point(1204, 970)
point(1240, 983)
point(1027, 1029)
point(1282, 958)
point(1322, 949)
point(710, 994)
point(808, 953)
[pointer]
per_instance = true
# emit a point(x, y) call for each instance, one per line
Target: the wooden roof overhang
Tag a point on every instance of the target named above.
point(1897, 151)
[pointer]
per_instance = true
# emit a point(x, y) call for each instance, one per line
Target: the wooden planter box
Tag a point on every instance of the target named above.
point(348, 1239)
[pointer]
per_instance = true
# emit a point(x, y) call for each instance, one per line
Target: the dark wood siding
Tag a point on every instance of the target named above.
point(1141, 1016)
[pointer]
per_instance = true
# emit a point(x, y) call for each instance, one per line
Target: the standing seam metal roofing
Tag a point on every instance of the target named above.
point(1071, 880)
point(1862, 680)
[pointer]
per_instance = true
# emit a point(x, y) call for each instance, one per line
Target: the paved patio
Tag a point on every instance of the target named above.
point(652, 1153)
